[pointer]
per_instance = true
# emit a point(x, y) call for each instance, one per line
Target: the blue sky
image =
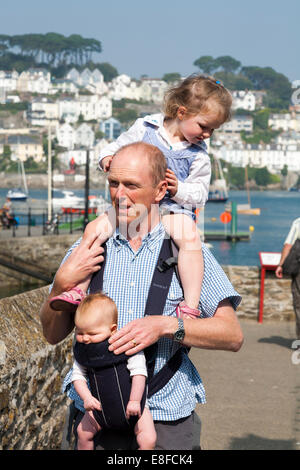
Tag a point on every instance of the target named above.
point(158, 36)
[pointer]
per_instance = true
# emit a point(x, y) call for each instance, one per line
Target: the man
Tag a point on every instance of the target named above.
point(293, 235)
point(137, 184)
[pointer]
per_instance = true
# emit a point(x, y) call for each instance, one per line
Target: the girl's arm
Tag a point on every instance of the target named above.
point(194, 190)
point(133, 134)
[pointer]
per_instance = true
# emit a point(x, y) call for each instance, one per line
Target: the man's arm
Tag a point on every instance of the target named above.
point(84, 260)
point(222, 331)
point(285, 251)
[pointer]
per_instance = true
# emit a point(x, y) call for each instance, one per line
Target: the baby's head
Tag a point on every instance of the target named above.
point(96, 318)
point(198, 94)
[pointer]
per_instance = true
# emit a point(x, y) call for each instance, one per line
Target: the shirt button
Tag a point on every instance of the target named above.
point(130, 312)
point(132, 284)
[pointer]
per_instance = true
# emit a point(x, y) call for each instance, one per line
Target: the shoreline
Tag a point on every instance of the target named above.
point(40, 181)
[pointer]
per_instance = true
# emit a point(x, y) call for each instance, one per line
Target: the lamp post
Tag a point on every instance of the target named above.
point(49, 175)
point(87, 189)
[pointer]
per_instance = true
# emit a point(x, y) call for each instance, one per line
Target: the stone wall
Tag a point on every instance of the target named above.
point(32, 407)
point(42, 253)
point(277, 293)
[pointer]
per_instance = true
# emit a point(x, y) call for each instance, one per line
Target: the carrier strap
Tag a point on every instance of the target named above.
point(156, 300)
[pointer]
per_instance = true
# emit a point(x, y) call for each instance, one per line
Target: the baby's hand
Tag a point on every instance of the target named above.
point(105, 163)
point(133, 409)
point(91, 404)
point(172, 182)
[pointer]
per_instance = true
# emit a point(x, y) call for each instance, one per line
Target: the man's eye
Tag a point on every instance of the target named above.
point(113, 184)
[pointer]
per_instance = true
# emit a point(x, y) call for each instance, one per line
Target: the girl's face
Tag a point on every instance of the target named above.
point(196, 128)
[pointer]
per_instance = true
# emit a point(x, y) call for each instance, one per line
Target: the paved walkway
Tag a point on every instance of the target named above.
point(253, 396)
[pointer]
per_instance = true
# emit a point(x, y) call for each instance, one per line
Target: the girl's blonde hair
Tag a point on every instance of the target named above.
point(196, 93)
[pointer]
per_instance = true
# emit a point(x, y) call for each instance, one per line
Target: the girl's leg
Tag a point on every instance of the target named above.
point(183, 230)
point(86, 431)
point(103, 226)
point(145, 431)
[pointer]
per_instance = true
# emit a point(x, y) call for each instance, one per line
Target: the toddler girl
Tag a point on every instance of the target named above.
point(118, 392)
point(192, 110)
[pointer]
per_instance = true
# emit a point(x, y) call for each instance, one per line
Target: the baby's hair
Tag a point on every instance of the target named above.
point(156, 159)
point(196, 93)
point(101, 298)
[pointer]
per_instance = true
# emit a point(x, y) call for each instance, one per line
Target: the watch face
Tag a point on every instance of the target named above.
point(179, 334)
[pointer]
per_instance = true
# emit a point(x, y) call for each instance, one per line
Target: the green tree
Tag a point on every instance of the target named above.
point(227, 63)
point(206, 63)
point(262, 176)
point(171, 77)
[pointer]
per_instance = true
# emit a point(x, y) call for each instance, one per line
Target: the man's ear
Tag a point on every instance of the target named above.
point(161, 190)
point(113, 328)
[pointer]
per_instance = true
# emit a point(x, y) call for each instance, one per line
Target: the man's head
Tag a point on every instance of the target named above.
point(137, 183)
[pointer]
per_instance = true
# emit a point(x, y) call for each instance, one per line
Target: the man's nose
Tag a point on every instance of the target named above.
point(120, 194)
point(85, 338)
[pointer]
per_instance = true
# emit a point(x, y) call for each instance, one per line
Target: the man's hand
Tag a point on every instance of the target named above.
point(139, 334)
point(105, 163)
point(133, 409)
point(279, 272)
point(84, 260)
point(172, 182)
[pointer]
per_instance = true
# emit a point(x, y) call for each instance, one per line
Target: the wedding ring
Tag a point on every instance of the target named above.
point(133, 342)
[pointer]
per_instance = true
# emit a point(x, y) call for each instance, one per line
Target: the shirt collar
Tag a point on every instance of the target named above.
point(150, 240)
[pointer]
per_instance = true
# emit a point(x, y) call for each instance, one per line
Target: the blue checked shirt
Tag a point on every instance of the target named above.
point(127, 278)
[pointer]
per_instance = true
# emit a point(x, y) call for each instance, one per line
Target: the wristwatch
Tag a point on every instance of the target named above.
point(179, 333)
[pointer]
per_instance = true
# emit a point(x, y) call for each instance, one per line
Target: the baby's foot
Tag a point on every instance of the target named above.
point(184, 311)
point(67, 301)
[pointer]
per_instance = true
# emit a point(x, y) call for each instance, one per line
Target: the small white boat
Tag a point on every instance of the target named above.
point(17, 194)
point(67, 199)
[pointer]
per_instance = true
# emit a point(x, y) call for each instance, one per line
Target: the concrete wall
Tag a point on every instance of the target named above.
point(32, 407)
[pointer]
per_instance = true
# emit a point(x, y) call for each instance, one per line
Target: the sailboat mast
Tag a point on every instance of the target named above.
point(24, 177)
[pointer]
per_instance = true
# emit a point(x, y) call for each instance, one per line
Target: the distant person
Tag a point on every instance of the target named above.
point(293, 235)
point(192, 111)
point(109, 377)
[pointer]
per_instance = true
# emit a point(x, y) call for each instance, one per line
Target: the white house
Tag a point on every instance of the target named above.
point(68, 110)
point(123, 87)
point(34, 80)
point(65, 135)
point(285, 122)
point(243, 99)
point(238, 124)
point(8, 80)
point(152, 89)
point(84, 136)
point(63, 86)
point(274, 157)
point(43, 112)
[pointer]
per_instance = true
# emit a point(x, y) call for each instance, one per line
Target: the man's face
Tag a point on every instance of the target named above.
point(131, 186)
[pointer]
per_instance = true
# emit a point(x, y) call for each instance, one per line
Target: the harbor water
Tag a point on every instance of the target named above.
point(278, 210)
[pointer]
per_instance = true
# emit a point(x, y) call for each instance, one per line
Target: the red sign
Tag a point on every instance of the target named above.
point(225, 217)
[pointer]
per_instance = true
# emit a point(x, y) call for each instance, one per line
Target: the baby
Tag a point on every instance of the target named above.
point(117, 395)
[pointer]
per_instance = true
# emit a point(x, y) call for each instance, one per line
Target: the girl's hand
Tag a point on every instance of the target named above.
point(172, 182)
point(133, 409)
point(105, 163)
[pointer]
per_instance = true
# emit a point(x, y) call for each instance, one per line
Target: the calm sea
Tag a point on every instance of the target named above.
point(278, 210)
